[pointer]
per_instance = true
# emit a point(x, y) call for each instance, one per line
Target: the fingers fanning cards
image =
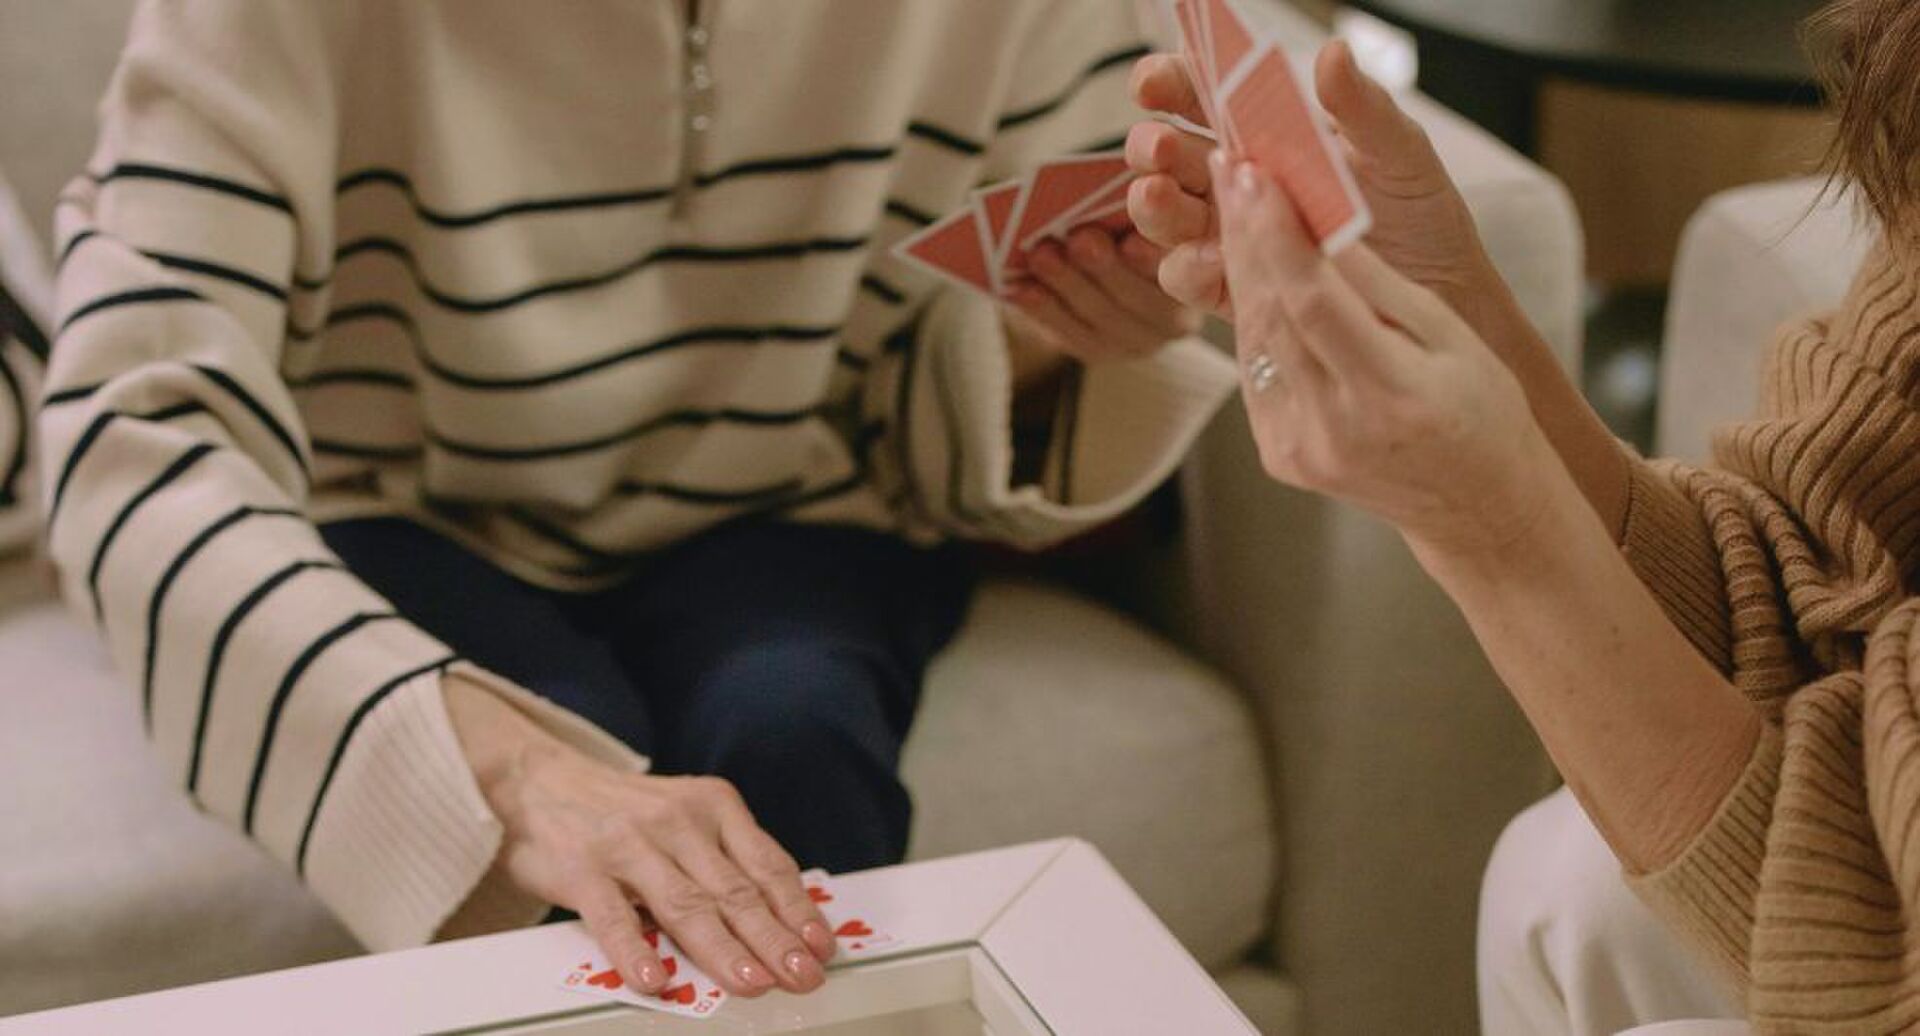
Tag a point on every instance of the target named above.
point(1261, 110)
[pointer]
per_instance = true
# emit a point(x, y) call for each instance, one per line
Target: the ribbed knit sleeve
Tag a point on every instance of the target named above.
point(1122, 428)
point(287, 698)
point(1783, 563)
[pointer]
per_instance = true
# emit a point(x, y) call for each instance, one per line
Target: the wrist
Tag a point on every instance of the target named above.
point(498, 741)
point(1520, 535)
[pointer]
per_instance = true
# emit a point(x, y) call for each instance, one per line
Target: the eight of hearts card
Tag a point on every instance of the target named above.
point(692, 993)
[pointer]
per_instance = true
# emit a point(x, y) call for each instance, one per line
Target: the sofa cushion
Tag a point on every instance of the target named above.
point(1051, 715)
point(1048, 716)
point(110, 882)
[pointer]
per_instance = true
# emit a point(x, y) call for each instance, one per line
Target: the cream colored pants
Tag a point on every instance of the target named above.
point(1565, 949)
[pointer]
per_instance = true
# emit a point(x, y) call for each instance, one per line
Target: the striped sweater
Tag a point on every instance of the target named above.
point(25, 294)
point(1792, 564)
point(564, 282)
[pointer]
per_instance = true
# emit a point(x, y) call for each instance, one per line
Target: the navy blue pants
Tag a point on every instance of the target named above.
point(785, 658)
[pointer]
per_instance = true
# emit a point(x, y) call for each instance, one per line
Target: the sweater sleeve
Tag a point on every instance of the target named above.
point(1783, 564)
point(1122, 428)
point(288, 699)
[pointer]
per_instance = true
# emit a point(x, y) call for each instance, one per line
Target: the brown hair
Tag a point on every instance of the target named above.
point(1869, 57)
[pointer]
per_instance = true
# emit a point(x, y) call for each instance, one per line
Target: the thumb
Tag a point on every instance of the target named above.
point(1382, 135)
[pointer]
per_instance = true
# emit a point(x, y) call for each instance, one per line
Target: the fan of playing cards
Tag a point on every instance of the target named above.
point(1259, 110)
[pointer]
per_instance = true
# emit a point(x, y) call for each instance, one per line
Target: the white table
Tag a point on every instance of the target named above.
point(1041, 938)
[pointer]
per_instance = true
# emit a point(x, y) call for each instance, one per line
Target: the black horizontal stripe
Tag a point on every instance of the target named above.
point(676, 419)
point(277, 707)
point(886, 292)
point(763, 252)
point(260, 413)
point(743, 335)
point(353, 376)
point(191, 178)
point(856, 155)
point(180, 466)
point(851, 360)
point(81, 447)
point(1060, 100)
point(360, 713)
point(73, 245)
point(740, 335)
point(401, 181)
point(600, 561)
point(711, 497)
point(157, 600)
point(17, 464)
point(171, 412)
point(71, 395)
point(945, 138)
point(365, 451)
point(520, 207)
point(218, 271)
point(218, 653)
point(139, 296)
point(903, 210)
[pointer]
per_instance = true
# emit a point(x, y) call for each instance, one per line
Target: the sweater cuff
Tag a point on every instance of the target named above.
point(1124, 429)
point(408, 847)
point(1672, 550)
point(1710, 891)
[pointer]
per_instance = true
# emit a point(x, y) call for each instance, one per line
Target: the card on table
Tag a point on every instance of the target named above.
point(855, 930)
point(690, 991)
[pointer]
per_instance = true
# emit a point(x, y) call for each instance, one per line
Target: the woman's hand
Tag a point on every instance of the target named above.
point(1093, 298)
point(601, 842)
point(1422, 227)
point(1366, 387)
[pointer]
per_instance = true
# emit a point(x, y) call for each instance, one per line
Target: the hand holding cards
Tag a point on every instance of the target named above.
point(1260, 111)
point(985, 246)
point(691, 992)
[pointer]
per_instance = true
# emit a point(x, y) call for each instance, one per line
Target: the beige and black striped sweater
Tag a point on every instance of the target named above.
point(1793, 563)
point(567, 281)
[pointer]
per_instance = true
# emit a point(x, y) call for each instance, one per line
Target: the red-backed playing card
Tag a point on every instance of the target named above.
point(954, 249)
point(1095, 209)
point(995, 205)
point(1281, 131)
point(1056, 187)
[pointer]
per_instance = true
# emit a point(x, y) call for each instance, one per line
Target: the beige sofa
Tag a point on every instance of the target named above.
point(1279, 732)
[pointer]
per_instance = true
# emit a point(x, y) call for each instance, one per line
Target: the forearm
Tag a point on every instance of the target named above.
point(1591, 453)
point(1647, 734)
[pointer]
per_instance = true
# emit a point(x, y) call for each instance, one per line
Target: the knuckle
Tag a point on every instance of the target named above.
point(682, 900)
point(739, 896)
point(772, 863)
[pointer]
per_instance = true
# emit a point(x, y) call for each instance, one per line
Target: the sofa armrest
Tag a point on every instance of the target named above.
point(1398, 757)
point(1751, 259)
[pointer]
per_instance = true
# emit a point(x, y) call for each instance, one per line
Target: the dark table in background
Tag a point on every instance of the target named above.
point(1487, 58)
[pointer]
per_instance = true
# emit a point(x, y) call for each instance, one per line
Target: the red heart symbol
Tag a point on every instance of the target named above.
point(853, 928)
point(672, 964)
point(653, 937)
point(818, 894)
point(681, 994)
point(608, 979)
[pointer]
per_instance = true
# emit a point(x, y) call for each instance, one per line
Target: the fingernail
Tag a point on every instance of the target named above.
point(1246, 180)
point(651, 976)
point(802, 968)
point(818, 939)
point(751, 976)
point(1217, 160)
point(1209, 253)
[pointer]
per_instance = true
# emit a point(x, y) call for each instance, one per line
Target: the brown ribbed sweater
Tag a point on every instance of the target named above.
point(1791, 564)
